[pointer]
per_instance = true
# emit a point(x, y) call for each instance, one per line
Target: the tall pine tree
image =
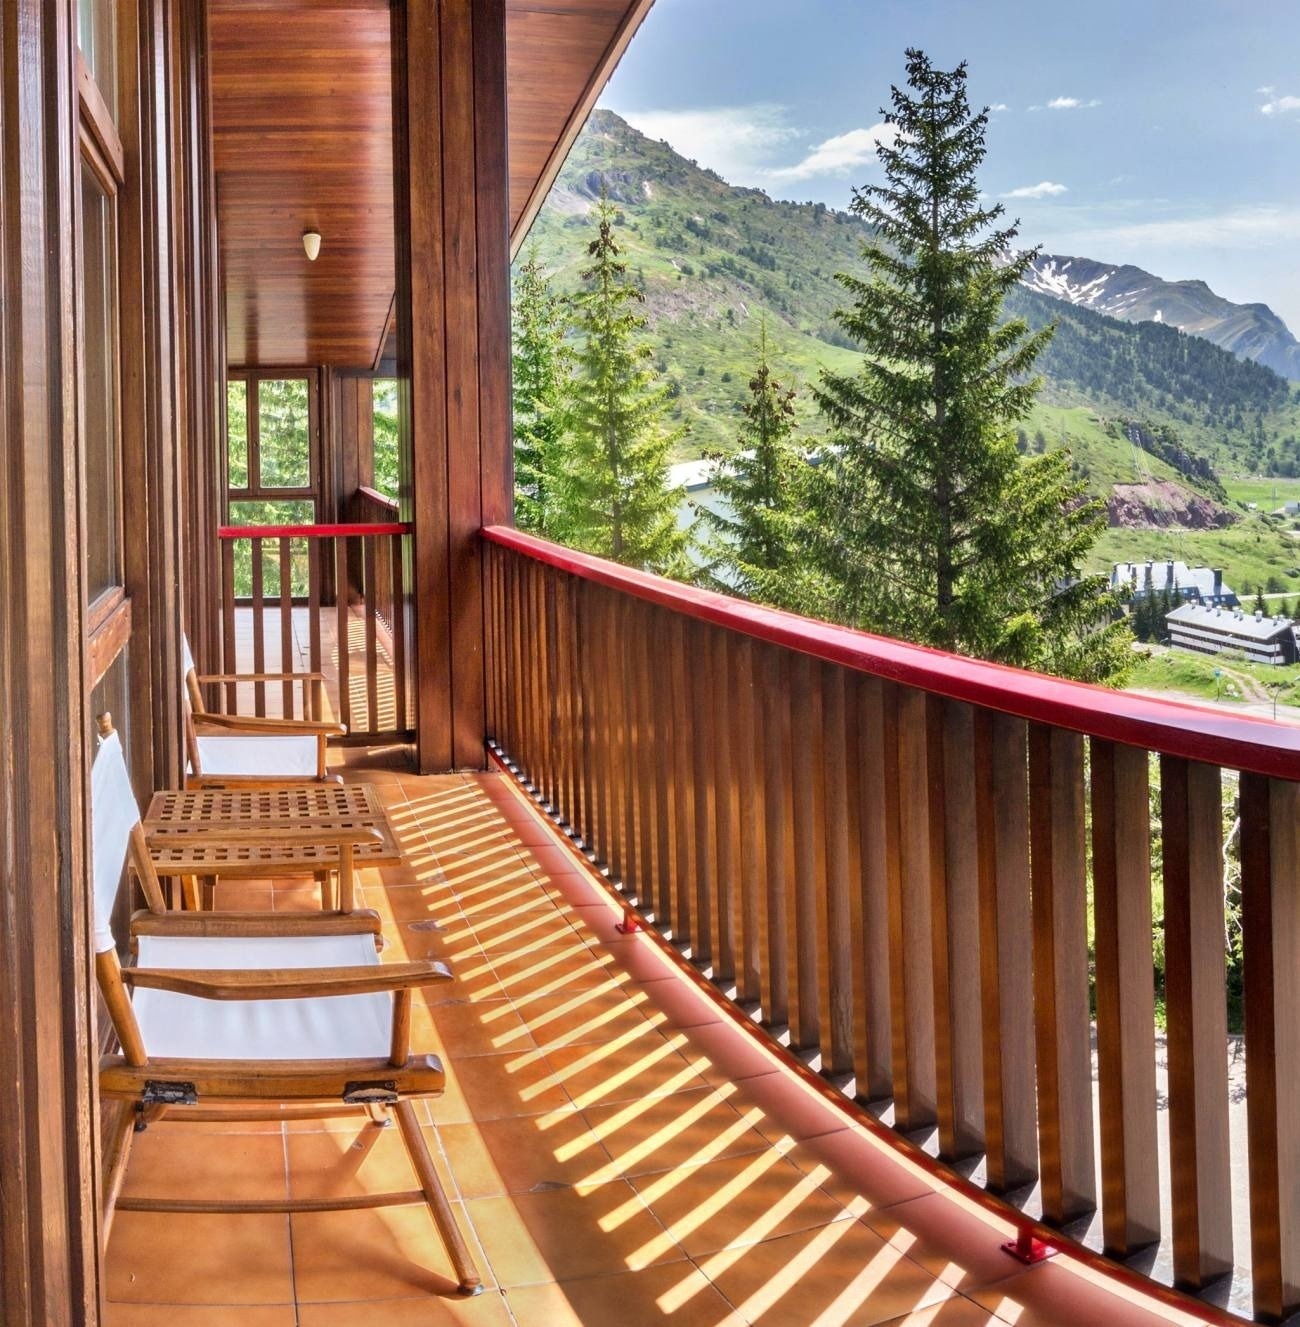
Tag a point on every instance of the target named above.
point(540, 363)
point(617, 502)
point(931, 527)
point(754, 544)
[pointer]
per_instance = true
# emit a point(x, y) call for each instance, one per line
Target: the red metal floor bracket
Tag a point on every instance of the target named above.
point(1028, 1250)
point(631, 922)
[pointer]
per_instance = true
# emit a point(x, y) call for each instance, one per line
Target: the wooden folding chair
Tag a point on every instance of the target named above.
point(290, 1013)
point(238, 750)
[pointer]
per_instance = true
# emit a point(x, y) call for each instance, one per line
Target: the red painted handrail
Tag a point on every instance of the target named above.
point(310, 531)
point(1192, 732)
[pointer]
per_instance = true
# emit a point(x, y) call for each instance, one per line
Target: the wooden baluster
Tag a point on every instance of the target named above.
point(807, 776)
point(1064, 1032)
point(999, 746)
point(955, 893)
point(625, 664)
point(911, 950)
point(342, 618)
point(723, 702)
point(313, 622)
point(576, 812)
point(397, 628)
point(229, 648)
point(259, 625)
point(598, 691)
point(548, 772)
point(612, 673)
point(834, 921)
point(1270, 909)
point(748, 778)
point(648, 865)
point(778, 833)
point(665, 800)
point(1197, 1021)
point(683, 790)
point(699, 660)
point(878, 830)
point(369, 617)
point(288, 663)
point(582, 678)
point(560, 701)
point(1126, 1048)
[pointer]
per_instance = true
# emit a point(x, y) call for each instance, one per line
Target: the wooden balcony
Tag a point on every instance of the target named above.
point(621, 1146)
point(932, 878)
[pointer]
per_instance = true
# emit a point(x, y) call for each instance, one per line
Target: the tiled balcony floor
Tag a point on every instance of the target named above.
point(617, 1150)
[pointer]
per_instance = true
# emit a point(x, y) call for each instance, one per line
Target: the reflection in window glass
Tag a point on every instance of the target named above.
point(97, 37)
point(283, 433)
point(237, 433)
point(99, 415)
point(298, 512)
point(112, 696)
point(384, 428)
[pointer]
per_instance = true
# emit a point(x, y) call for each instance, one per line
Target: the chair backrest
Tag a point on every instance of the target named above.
point(113, 815)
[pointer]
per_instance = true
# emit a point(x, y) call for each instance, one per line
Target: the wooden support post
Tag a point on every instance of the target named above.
point(453, 347)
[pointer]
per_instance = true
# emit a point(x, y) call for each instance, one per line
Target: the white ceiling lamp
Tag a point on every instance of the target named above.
point(311, 244)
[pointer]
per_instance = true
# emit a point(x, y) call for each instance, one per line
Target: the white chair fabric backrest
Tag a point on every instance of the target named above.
point(113, 814)
point(187, 663)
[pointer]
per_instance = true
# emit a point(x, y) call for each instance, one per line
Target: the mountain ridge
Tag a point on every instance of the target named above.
point(1132, 294)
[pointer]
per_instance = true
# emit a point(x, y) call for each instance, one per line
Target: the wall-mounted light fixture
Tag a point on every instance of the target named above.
point(311, 244)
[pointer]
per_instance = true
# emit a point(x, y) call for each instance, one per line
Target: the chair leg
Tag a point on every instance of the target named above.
point(444, 1219)
point(121, 1136)
point(190, 892)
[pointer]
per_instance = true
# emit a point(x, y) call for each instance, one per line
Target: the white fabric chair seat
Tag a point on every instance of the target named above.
point(268, 756)
point(328, 1028)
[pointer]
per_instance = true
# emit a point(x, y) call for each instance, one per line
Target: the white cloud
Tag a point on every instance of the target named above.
point(999, 106)
point(838, 155)
point(1044, 189)
point(1238, 228)
point(1068, 104)
point(1278, 105)
point(736, 141)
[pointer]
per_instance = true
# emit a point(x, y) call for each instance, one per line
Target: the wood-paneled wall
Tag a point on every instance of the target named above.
point(453, 362)
point(48, 1226)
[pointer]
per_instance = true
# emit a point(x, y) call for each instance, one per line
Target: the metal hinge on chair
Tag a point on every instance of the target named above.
point(159, 1092)
point(378, 1092)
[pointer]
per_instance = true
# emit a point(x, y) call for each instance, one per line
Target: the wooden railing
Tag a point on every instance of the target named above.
point(329, 592)
point(938, 873)
point(368, 507)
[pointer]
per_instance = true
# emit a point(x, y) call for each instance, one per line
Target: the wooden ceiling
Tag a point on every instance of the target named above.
point(302, 140)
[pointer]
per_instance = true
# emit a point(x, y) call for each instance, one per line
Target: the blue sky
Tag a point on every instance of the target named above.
point(1164, 133)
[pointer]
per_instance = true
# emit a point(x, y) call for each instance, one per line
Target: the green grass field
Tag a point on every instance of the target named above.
point(1269, 494)
point(1193, 675)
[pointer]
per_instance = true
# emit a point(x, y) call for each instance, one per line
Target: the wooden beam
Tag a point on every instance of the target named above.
point(48, 1223)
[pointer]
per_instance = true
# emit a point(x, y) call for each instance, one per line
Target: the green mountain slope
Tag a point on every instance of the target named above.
point(713, 258)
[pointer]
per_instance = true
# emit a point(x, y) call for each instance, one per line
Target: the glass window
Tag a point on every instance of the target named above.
point(283, 433)
point(384, 432)
point(300, 511)
point(97, 37)
point(237, 432)
point(100, 403)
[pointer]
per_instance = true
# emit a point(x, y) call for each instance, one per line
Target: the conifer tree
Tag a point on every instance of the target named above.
point(931, 527)
point(617, 502)
point(754, 545)
point(540, 365)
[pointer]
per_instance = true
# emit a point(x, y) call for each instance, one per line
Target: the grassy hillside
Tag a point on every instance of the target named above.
point(713, 259)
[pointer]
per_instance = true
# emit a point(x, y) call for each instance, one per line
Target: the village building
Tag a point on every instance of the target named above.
point(1209, 630)
point(1203, 585)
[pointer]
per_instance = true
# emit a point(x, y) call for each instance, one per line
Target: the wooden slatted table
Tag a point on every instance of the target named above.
point(184, 831)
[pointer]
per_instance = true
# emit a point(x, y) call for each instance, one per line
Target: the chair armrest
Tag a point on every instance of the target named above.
point(236, 724)
point(287, 983)
point(364, 921)
point(260, 677)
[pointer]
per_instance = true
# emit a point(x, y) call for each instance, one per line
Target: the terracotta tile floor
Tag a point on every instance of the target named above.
point(618, 1152)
